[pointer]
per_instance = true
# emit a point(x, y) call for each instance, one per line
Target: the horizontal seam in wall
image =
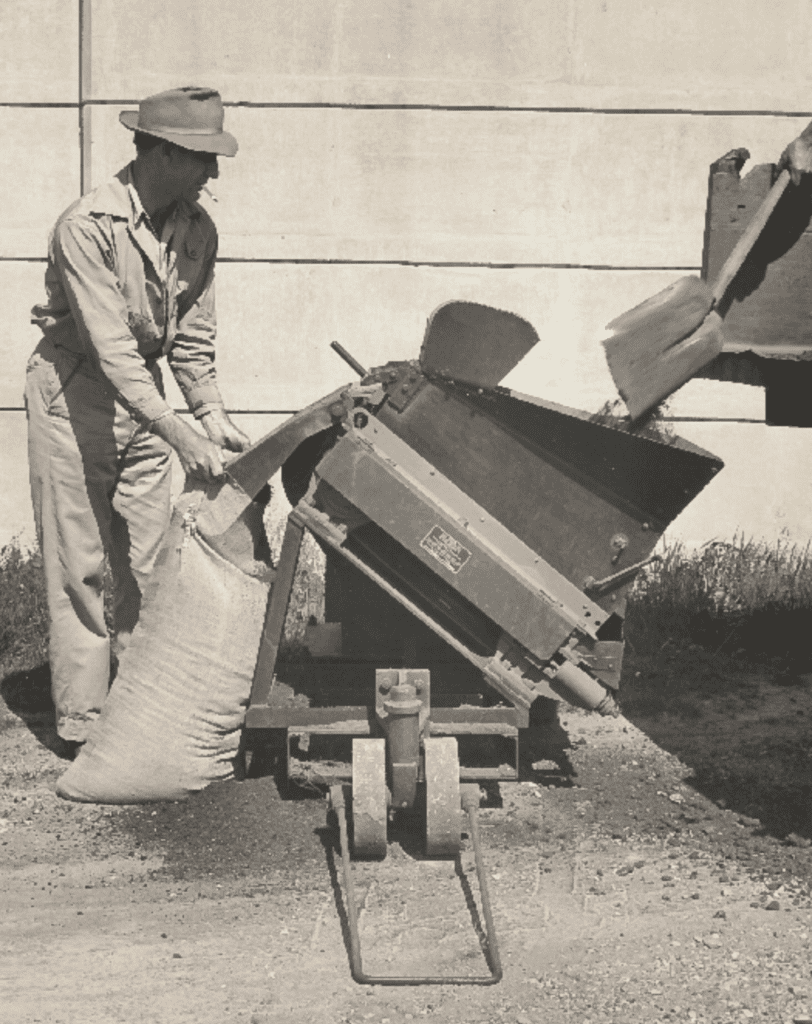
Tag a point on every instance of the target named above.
point(185, 412)
point(293, 412)
point(439, 107)
point(418, 263)
point(458, 264)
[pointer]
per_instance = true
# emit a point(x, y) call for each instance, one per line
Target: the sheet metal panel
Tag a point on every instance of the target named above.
point(458, 540)
point(564, 485)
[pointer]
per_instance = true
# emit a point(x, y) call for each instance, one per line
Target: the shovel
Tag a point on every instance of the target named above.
point(665, 340)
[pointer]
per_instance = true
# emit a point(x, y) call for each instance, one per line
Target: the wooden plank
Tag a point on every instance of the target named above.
point(21, 285)
point(39, 50)
point(276, 323)
point(492, 187)
point(582, 53)
point(723, 55)
point(759, 493)
point(39, 175)
point(16, 517)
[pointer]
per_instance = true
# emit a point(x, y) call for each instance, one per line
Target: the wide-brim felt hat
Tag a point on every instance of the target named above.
point(191, 118)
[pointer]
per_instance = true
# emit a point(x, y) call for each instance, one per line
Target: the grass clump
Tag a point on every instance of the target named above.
point(747, 596)
point(23, 609)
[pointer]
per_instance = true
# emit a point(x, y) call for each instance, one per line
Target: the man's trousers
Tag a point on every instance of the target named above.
point(101, 492)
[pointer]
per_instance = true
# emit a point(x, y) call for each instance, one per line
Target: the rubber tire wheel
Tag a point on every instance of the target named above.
point(443, 815)
point(369, 797)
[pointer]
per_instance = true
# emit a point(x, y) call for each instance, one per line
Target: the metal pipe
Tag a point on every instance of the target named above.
point(351, 360)
point(470, 804)
point(356, 965)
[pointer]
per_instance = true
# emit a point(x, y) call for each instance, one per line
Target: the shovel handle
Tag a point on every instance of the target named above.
point(741, 250)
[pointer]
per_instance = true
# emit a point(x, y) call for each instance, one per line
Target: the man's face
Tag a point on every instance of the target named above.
point(188, 172)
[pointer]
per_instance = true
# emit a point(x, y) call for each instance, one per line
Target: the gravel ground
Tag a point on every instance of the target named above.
point(653, 867)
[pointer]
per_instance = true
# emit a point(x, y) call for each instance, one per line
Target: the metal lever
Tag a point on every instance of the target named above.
point(349, 359)
point(470, 802)
point(594, 588)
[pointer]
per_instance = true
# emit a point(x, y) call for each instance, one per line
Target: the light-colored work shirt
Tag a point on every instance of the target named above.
point(122, 297)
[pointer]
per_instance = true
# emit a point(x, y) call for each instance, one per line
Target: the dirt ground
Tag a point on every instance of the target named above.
point(652, 867)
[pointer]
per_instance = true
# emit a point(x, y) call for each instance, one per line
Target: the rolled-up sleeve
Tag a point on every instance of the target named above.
point(191, 357)
point(83, 259)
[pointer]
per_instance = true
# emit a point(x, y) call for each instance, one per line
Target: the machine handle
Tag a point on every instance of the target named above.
point(350, 360)
point(594, 588)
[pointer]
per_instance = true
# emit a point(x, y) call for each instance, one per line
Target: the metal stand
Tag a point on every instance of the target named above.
point(470, 803)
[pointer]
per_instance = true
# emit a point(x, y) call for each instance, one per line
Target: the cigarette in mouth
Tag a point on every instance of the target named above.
point(211, 195)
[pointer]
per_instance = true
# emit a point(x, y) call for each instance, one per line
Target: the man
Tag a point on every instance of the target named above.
point(130, 278)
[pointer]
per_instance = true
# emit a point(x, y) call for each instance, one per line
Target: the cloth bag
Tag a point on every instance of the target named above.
point(171, 723)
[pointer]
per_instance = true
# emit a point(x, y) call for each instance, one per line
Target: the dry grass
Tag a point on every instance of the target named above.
point(23, 613)
point(745, 596)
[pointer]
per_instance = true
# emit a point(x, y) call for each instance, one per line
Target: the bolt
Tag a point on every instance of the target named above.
point(385, 687)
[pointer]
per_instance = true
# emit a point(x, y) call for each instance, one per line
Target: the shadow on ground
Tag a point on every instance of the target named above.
point(745, 730)
point(27, 695)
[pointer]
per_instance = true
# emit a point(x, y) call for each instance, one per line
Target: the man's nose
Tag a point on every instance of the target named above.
point(213, 169)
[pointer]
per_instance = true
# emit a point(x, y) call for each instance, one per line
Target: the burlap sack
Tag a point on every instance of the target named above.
point(171, 724)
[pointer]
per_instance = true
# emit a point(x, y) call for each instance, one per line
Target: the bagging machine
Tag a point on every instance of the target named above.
point(480, 548)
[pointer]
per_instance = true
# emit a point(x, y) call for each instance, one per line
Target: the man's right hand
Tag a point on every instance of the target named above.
point(797, 157)
point(199, 457)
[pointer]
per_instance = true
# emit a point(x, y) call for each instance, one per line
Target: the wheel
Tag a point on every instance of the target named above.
point(369, 797)
point(442, 797)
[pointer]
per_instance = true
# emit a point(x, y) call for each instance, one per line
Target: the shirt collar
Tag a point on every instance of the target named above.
point(119, 198)
point(138, 212)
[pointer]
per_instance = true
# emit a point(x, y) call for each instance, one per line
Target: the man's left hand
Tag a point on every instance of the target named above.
point(223, 432)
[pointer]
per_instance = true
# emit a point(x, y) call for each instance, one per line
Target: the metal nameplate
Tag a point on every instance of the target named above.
point(448, 551)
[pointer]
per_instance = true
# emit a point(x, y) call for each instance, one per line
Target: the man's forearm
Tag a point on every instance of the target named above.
point(199, 456)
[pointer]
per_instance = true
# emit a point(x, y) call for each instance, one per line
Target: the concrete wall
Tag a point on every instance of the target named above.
point(547, 157)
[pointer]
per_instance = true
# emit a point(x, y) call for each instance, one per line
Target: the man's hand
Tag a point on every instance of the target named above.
point(797, 157)
point(223, 432)
point(199, 456)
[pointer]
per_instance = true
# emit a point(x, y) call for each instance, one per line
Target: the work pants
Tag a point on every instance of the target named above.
point(101, 494)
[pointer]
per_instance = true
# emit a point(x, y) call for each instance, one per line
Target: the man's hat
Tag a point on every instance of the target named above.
point(190, 117)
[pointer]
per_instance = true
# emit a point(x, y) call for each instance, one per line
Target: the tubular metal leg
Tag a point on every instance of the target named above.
point(470, 800)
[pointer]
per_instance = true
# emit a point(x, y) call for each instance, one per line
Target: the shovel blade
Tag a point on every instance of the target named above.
point(662, 376)
point(648, 354)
